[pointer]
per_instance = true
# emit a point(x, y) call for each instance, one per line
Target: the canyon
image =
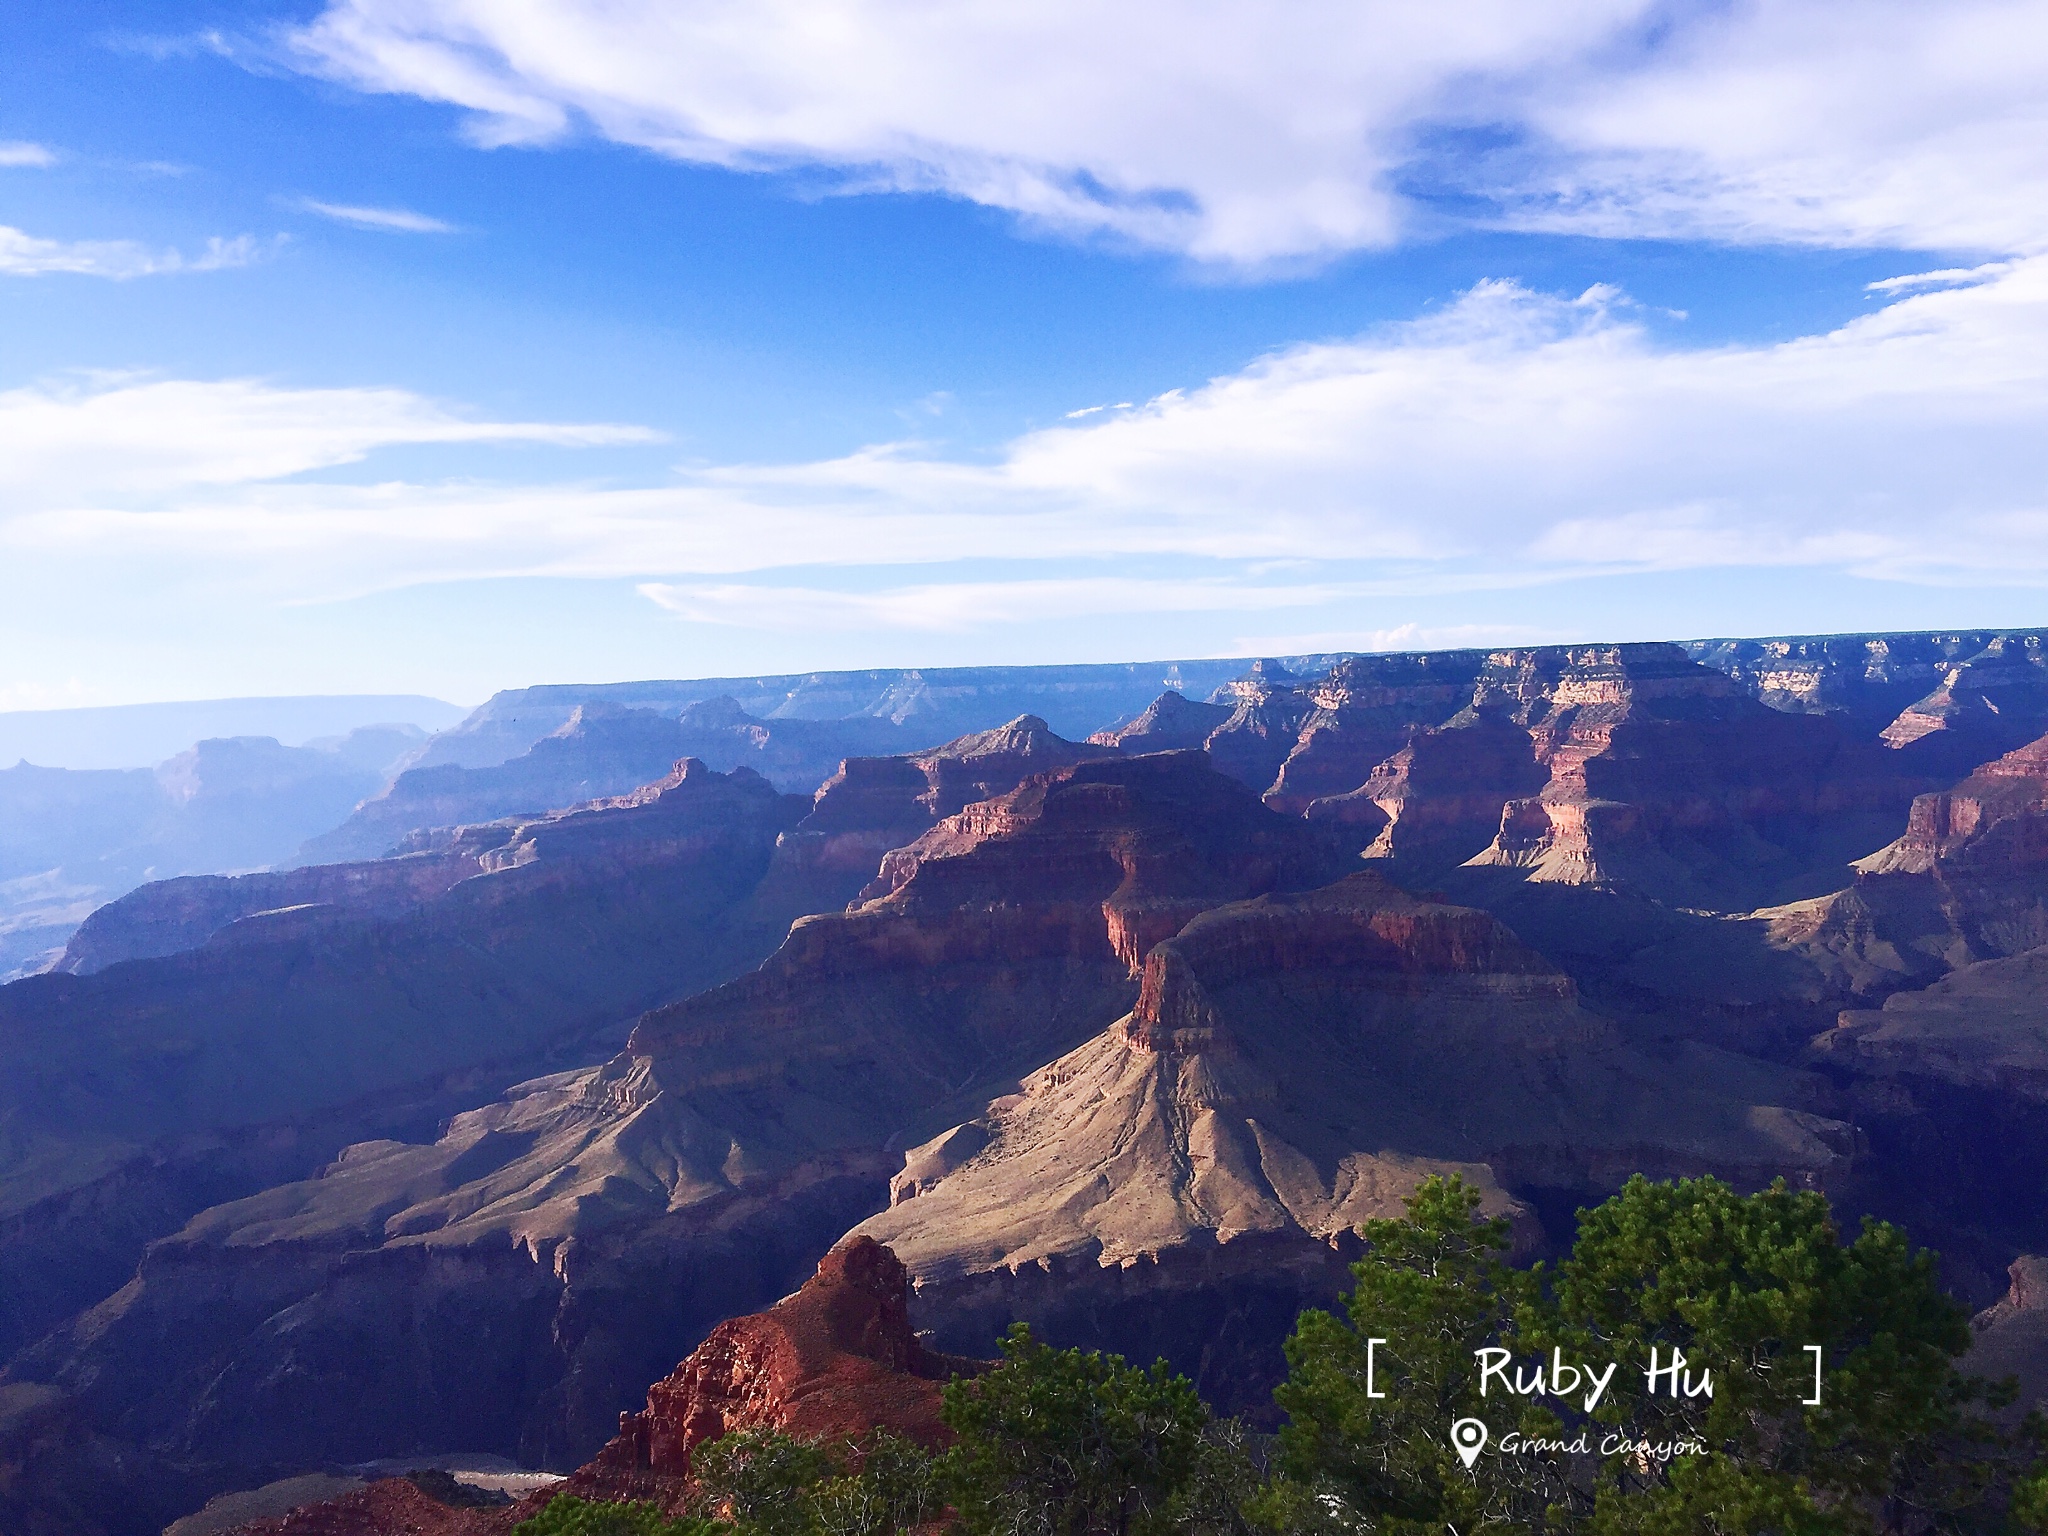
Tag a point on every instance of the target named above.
point(1118, 1025)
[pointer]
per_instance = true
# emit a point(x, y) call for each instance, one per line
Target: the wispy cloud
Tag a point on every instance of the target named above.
point(1399, 637)
point(124, 436)
point(1946, 277)
point(1515, 438)
point(15, 152)
point(399, 220)
point(1241, 134)
point(960, 606)
point(26, 255)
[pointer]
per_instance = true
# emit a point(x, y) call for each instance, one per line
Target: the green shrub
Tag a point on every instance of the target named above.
point(567, 1515)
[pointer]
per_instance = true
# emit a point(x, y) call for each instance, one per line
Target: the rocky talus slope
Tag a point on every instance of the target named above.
point(1191, 1177)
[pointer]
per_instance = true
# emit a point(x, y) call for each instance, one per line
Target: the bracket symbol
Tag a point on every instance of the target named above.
point(1813, 1401)
point(1371, 1346)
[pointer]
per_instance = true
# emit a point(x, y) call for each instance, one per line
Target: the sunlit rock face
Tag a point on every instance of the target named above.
point(1293, 1066)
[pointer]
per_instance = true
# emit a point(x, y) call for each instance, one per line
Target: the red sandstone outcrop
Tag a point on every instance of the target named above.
point(834, 1362)
point(1134, 848)
point(392, 1506)
point(1994, 823)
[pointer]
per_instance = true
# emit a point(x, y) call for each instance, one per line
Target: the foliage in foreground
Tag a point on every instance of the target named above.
point(567, 1515)
point(1738, 1285)
point(1058, 1442)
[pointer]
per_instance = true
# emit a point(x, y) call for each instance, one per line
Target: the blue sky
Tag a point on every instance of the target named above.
point(444, 345)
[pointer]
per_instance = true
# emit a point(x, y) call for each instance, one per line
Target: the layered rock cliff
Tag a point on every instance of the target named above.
point(1966, 882)
point(1188, 1179)
point(1947, 700)
point(1172, 722)
point(1365, 711)
point(599, 750)
point(71, 840)
point(1437, 802)
point(1667, 778)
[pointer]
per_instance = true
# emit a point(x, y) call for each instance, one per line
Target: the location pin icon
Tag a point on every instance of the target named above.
point(1468, 1439)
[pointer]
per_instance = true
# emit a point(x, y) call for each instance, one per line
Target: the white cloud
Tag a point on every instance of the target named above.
point(140, 438)
point(961, 606)
point(1398, 637)
point(1244, 133)
point(399, 220)
point(1514, 439)
point(25, 255)
point(1947, 277)
point(20, 152)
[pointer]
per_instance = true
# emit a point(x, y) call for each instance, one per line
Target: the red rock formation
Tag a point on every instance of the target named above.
point(1438, 801)
point(391, 1506)
point(1665, 776)
point(833, 1362)
point(1170, 723)
point(1993, 823)
point(1134, 848)
point(1264, 725)
point(1365, 711)
point(875, 804)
